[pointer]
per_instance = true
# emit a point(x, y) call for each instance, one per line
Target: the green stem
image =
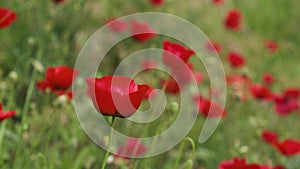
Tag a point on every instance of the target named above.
point(24, 114)
point(2, 132)
point(190, 140)
point(109, 141)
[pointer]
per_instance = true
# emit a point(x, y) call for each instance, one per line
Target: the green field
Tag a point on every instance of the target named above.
point(46, 134)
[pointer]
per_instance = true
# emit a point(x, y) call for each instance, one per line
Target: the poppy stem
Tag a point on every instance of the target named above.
point(191, 141)
point(2, 132)
point(109, 141)
point(24, 113)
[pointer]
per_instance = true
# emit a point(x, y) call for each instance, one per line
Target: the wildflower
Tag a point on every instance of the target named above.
point(6, 115)
point(7, 17)
point(233, 20)
point(116, 95)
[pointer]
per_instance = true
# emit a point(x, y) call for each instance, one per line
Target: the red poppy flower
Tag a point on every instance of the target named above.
point(156, 2)
point(213, 47)
point(148, 64)
point(132, 147)
point(218, 2)
point(235, 59)
point(238, 164)
point(59, 1)
point(242, 164)
point(5, 115)
point(269, 137)
point(292, 92)
point(116, 95)
point(210, 108)
point(289, 147)
point(287, 102)
point(268, 78)
point(58, 80)
point(271, 45)
point(170, 86)
point(42, 85)
point(141, 32)
point(116, 25)
point(60, 77)
point(172, 50)
point(233, 20)
point(261, 92)
point(7, 17)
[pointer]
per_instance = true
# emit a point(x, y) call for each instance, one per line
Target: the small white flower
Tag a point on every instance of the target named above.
point(110, 159)
point(13, 75)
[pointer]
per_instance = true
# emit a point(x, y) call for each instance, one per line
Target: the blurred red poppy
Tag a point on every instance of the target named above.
point(174, 51)
point(233, 20)
point(261, 92)
point(287, 102)
point(210, 108)
point(7, 17)
point(235, 59)
point(170, 86)
point(156, 2)
point(58, 80)
point(60, 77)
point(213, 47)
point(218, 2)
point(116, 95)
point(116, 25)
point(58, 1)
point(238, 164)
point(269, 136)
point(242, 164)
point(5, 115)
point(42, 85)
point(132, 147)
point(268, 78)
point(140, 31)
point(271, 45)
point(287, 147)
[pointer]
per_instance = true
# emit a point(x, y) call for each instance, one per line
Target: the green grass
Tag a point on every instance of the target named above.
point(49, 136)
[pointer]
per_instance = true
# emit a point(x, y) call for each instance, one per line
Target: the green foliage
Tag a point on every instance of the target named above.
point(50, 136)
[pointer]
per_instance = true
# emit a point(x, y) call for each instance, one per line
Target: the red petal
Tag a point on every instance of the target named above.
point(7, 17)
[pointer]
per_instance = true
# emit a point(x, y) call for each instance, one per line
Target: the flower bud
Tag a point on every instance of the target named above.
point(13, 76)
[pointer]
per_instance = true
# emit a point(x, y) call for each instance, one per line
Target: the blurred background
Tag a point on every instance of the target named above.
point(45, 132)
